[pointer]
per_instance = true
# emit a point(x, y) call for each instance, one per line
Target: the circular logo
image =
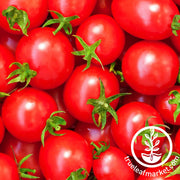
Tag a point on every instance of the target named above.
point(151, 157)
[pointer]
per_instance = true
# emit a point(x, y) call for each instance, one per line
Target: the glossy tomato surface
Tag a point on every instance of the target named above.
point(104, 28)
point(64, 154)
point(150, 19)
point(50, 56)
point(83, 85)
point(145, 67)
point(25, 112)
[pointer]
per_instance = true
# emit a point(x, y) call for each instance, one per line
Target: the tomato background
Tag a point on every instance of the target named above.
point(140, 57)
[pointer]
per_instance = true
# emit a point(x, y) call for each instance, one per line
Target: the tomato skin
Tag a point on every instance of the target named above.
point(177, 140)
point(6, 58)
point(145, 67)
point(22, 149)
point(131, 118)
point(63, 154)
point(165, 109)
point(2, 130)
point(112, 166)
point(150, 19)
point(42, 48)
point(37, 11)
point(81, 8)
point(25, 112)
point(96, 28)
point(175, 40)
point(8, 170)
point(83, 85)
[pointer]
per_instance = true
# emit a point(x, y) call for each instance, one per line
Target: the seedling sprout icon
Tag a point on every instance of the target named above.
point(152, 144)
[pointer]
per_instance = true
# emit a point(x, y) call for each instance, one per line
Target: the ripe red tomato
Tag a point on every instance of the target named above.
point(22, 149)
point(175, 40)
point(81, 8)
point(37, 11)
point(25, 112)
point(112, 166)
point(150, 19)
point(50, 56)
point(145, 67)
point(8, 170)
point(102, 27)
point(177, 2)
point(165, 108)
point(64, 154)
point(177, 140)
point(2, 130)
point(6, 58)
point(131, 118)
point(83, 85)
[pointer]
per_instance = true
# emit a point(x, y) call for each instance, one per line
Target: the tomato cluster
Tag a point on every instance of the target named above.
point(79, 78)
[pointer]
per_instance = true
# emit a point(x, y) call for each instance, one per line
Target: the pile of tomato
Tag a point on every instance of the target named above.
point(78, 79)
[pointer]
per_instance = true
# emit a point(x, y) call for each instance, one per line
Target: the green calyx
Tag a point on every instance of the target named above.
point(81, 173)
point(25, 74)
point(175, 100)
point(175, 25)
point(102, 106)
point(64, 22)
point(3, 94)
point(88, 52)
point(20, 17)
point(53, 124)
point(103, 146)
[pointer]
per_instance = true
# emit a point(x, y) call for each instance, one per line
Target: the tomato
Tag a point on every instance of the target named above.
point(8, 170)
point(2, 130)
point(145, 67)
point(6, 58)
point(57, 94)
point(165, 108)
point(96, 28)
point(37, 11)
point(131, 118)
point(111, 165)
point(161, 173)
point(103, 7)
point(177, 140)
point(81, 8)
point(22, 149)
point(83, 85)
point(175, 40)
point(177, 2)
point(25, 112)
point(150, 19)
point(64, 154)
point(95, 134)
point(50, 56)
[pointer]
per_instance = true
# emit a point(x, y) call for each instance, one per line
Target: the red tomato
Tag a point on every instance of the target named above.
point(177, 140)
point(131, 118)
point(161, 173)
point(103, 7)
point(95, 134)
point(2, 130)
point(112, 166)
point(37, 11)
point(145, 67)
point(8, 170)
point(25, 112)
point(50, 56)
point(102, 27)
point(83, 85)
point(57, 94)
point(150, 19)
point(9, 40)
point(22, 149)
point(177, 2)
point(81, 8)
point(6, 58)
point(165, 108)
point(64, 154)
point(175, 40)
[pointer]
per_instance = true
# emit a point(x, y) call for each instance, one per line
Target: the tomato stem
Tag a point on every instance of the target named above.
point(175, 25)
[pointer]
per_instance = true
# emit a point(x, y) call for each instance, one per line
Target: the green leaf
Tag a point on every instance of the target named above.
point(14, 15)
point(78, 175)
point(175, 25)
point(176, 171)
point(3, 94)
point(64, 22)
point(88, 52)
point(53, 124)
